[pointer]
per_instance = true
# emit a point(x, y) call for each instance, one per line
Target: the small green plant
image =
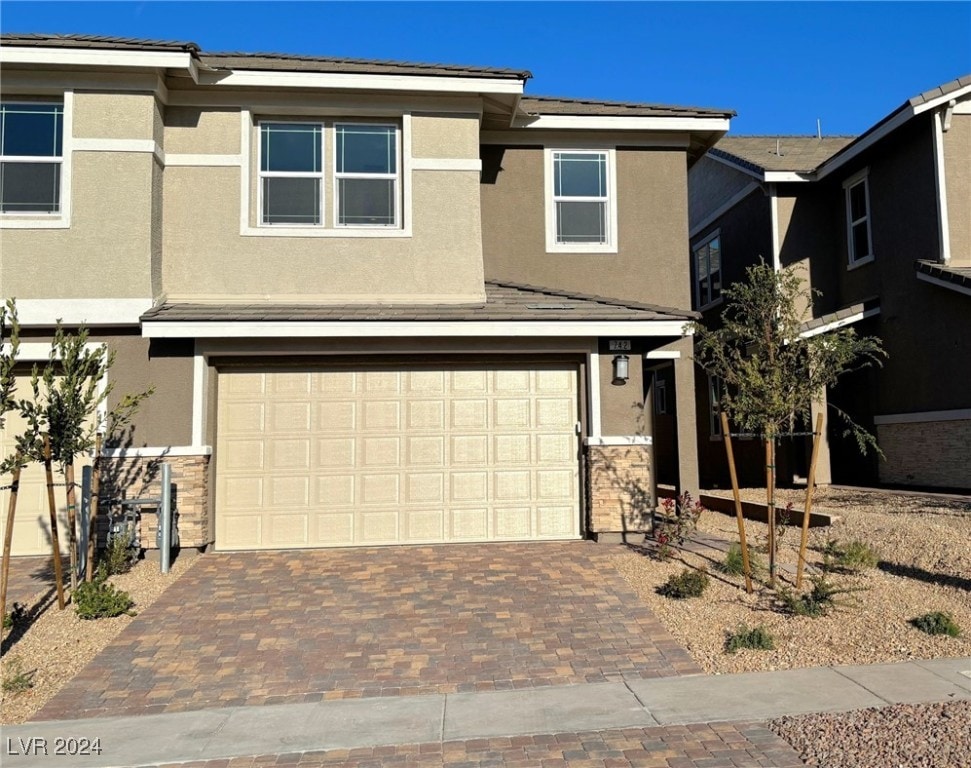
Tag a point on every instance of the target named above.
point(16, 614)
point(853, 557)
point(819, 601)
point(98, 599)
point(937, 623)
point(679, 521)
point(733, 565)
point(688, 583)
point(757, 639)
point(118, 556)
point(15, 678)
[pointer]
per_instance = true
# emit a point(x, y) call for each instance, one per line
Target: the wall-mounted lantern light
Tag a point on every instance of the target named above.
point(621, 369)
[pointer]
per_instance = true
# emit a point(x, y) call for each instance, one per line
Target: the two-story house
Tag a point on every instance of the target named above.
point(380, 302)
point(880, 224)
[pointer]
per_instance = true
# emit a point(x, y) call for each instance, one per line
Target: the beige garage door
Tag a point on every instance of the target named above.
point(32, 524)
point(329, 458)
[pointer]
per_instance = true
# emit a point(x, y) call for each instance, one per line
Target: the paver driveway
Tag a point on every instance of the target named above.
point(263, 628)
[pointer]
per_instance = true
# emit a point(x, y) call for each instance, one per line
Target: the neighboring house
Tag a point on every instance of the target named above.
point(370, 294)
point(881, 225)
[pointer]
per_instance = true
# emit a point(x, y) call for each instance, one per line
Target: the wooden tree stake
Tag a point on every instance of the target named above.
point(93, 510)
point(8, 536)
point(72, 522)
point(738, 502)
point(52, 506)
point(810, 487)
point(770, 503)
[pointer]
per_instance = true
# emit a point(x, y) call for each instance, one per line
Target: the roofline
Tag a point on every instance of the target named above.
point(622, 123)
point(236, 329)
point(702, 111)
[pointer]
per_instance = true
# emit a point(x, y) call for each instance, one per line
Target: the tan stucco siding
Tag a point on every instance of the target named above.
point(622, 409)
point(957, 175)
point(650, 264)
point(114, 115)
point(192, 130)
point(205, 256)
point(107, 250)
point(710, 185)
point(445, 136)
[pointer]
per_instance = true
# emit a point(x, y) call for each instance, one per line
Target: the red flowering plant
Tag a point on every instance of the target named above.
point(679, 520)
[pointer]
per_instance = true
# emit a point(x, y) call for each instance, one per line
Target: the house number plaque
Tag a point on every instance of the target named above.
point(620, 345)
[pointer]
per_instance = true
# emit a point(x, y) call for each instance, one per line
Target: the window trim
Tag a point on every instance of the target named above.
point(396, 177)
point(62, 218)
point(261, 174)
point(248, 171)
point(714, 234)
point(861, 177)
point(552, 246)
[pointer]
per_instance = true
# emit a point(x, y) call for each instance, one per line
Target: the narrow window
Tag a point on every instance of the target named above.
point(660, 397)
point(367, 176)
point(858, 243)
point(708, 271)
point(31, 156)
point(715, 391)
point(580, 198)
point(291, 173)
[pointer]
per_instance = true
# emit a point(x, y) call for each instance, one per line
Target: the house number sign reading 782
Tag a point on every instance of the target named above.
point(622, 345)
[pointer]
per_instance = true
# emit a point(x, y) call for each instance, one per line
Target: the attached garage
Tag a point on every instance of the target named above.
point(329, 456)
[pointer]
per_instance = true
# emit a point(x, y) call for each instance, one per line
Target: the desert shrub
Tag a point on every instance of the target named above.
point(680, 519)
point(16, 614)
point(15, 678)
point(854, 556)
point(819, 601)
point(118, 556)
point(688, 583)
point(100, 600)
point(937, 623)
point(733, 565)
point(757, 638)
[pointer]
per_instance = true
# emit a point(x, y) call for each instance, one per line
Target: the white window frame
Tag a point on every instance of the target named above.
point(60, 219)
point(704, 302)
point(715, 390)
point(552, 246)
point(396, 177)
point(863, 177)
point(261, 174)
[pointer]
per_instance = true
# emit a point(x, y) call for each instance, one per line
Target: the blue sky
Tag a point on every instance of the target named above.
point(779, 65)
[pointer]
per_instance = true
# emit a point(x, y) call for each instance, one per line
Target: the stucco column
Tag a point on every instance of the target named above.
point(684, 386)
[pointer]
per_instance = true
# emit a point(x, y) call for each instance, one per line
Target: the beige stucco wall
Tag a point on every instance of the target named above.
point(193, 130)
point(622, 410)
point(448, 136)
point(107, 250)
point(651, 263)
point(711, 184)
point(114, 115)
point(205, 257)
point(957, 175)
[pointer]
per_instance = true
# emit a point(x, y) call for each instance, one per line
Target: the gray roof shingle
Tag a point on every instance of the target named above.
point(105, 42)
point(799, 154)
point(504, 302)
point(551, 105)
point(842, 313)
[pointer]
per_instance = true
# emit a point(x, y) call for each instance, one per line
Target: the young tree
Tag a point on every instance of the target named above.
point(772, 373)
point(68, 394)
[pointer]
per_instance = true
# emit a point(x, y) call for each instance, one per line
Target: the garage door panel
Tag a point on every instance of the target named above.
point(337, 458)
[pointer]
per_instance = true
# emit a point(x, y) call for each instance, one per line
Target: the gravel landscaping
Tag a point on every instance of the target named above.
point(57, 644)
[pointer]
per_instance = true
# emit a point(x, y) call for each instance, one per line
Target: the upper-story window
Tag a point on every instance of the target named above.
point(581, 205)
point(716, 390)
point(293, 172)
point(859, 244)
point(31, 155)
point(708, 271)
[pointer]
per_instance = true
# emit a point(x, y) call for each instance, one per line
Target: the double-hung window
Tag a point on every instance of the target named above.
point(291, 173)
point(31, 157)
point(858, 242)
point(708, 271)
point(580, 204)
point(366, 175)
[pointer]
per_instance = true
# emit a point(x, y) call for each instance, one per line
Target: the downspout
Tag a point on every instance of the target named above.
point(774, 213)
point(940, 125)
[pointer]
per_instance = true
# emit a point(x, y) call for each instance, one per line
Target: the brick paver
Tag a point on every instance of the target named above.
point(31, 582)
point(718, 745)
point(265, 628)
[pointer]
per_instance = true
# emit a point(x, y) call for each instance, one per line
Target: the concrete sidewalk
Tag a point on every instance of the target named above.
point(385, 721)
